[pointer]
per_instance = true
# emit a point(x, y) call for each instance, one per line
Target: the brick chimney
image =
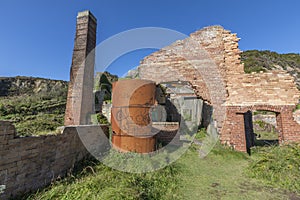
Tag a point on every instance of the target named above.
point(80, 99)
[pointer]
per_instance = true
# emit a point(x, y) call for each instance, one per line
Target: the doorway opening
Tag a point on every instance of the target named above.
point(261, 128)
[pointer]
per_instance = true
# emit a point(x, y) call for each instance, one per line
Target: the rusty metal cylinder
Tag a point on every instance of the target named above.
point(132, 101)
point(127, 143)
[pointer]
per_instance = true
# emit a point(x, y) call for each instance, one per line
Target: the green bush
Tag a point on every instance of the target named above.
point(260, 123)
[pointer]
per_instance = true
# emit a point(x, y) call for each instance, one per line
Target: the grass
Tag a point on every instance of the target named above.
point(265, 135)
point(277, 166)
point(223, 174)
point(96, 181)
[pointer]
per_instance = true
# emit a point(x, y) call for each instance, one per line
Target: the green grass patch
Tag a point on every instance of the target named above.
point(96, 181)
point(270, 173)
point(223, 174)
point(264, 135)
point(278, 166)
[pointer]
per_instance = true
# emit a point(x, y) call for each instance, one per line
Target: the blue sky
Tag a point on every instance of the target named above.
point(37, 37)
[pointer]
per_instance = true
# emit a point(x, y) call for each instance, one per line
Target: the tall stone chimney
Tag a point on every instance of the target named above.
point(80, 99)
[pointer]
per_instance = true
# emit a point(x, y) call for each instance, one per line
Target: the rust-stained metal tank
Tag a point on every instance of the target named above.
point(132, 101)
point(127, 143)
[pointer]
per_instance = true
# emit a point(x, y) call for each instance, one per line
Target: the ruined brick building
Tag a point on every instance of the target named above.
point(210, 61)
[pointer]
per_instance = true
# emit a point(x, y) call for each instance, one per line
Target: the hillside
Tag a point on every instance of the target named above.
point(21, 85)
point(256, 61)
point(35, 105)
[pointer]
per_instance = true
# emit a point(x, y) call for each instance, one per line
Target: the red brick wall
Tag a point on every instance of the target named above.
point(233, 132)
point(290, 128)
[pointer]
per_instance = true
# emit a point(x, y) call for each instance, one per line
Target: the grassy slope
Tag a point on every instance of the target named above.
point(101, 182)
point(223, 174)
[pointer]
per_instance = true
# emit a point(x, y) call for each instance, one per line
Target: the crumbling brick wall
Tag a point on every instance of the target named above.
point(273, 91)
point(29, 163)
point(210, 60)
point(204, 59)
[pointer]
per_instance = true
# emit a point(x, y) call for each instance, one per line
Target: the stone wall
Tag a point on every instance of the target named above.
point(106, 111)
point(267, 118)
point(29, 163)
point(296, 115)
